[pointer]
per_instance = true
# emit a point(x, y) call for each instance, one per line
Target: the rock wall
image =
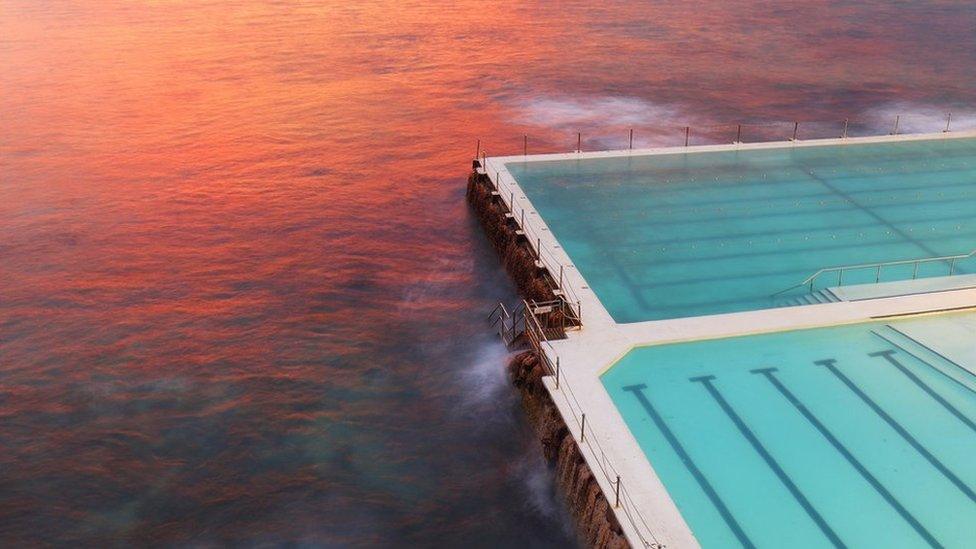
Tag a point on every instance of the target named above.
point(517, 256)
point(596, 523)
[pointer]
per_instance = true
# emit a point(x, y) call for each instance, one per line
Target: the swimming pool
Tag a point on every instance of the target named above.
point(858, 436)
point(688, 234)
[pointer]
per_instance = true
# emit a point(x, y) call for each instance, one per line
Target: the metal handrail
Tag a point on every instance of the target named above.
point(809, 281)
point(497, 312)
point(507, 323)
point(536, 336)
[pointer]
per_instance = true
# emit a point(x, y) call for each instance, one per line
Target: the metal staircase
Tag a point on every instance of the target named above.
point(551, 318)
point(510, 325)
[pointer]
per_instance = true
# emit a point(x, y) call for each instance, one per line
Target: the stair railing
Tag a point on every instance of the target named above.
point(810, 280)
point(509, 324)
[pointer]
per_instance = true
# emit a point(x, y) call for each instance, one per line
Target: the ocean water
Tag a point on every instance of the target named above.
point(241, 296)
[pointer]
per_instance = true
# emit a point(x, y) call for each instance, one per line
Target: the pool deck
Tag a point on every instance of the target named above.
point(588, 352)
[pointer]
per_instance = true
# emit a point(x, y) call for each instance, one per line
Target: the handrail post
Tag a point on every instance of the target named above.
point(915, 271)
point(538, 248)
point(846, 121)
point(948, 120)
point(560, 277)
point(796, 126)
point(952, 266)
point(563, 317)
point(582, 427)
point(478, 151)
point(513, 329)
point(738, 134)
point(840, 278)
point(579, 142)
point(687, 134)
point(525, 144)
point(877, 276)
point(632, 138)
point(894, 131)
point(557, 371)
point(616, 503)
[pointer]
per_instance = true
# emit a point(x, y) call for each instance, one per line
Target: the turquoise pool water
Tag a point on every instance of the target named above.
point(855, 436)
point(679, 235)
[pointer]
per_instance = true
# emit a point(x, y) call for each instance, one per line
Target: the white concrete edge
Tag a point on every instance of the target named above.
point(652, 151)
point(805, 317)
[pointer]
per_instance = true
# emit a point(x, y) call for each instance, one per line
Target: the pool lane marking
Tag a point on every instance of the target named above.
point(638, 391)
point(887, 355)
point(853, 461)
point(706, 381)
point(831, 364)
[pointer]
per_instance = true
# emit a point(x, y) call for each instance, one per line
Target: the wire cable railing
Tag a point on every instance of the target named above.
point(583, 433)
point(622, 137)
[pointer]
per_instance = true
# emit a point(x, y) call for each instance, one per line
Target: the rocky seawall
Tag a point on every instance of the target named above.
point(516, 253)
point(596, 522)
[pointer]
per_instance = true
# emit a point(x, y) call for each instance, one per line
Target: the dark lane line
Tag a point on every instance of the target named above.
point(830, 364)
point(887, 355)
point(638, 391)
point(706, 381)
point(768, 374)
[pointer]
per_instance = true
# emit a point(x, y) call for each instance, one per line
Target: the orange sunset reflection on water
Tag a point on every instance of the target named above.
point(241, 295)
